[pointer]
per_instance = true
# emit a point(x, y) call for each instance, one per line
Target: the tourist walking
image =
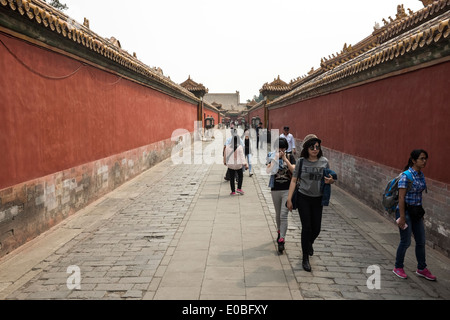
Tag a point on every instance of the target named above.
point(409, 214)
point(228, 142)
point(234, 159)
point(290, 139)
point(280, 166)
point(248, 151)
point(258, 135)
point(315, 178)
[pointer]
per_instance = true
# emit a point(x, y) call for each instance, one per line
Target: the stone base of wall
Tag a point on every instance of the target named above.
point(32, 207)
point(366, 180)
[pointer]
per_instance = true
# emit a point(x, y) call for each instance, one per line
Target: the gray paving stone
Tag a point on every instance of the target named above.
point(175, 233)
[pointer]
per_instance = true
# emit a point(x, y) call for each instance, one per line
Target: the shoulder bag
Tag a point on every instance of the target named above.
point(294, 198)
point(415, 212)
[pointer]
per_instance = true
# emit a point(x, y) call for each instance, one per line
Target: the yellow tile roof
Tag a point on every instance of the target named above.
point(62, 25)
point(401, 36)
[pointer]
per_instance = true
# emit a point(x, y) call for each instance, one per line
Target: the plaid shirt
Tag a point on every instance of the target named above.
point(414, 195)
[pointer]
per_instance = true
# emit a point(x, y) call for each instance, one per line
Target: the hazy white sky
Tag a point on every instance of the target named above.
point(234, 45)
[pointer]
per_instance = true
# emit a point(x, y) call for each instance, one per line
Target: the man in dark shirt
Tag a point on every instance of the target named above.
point(258, 129)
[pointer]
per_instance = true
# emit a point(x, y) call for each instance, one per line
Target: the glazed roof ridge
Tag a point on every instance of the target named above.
point(191, 85)
point(305, 78)
point(412, 20)
point(402, 23)
point(48, 17)
point(423, 35)
point(251, 103)
point(257, 105)
point(276, 85)
point(348, 52)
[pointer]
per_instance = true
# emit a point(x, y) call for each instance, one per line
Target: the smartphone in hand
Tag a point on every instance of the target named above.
point(404, 227)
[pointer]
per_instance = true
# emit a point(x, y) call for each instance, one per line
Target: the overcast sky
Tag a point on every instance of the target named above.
point(234, 45)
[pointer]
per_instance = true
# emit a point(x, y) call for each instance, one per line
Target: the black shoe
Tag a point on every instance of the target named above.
point(281, 246)
point(305, 264)
point(311, 250)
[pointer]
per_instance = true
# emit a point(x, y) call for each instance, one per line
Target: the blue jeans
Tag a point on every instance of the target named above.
point(249, 161)
point(417, 228)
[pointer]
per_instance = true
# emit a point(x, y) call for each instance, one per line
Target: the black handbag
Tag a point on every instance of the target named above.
point(415, 212)
point(294, 198)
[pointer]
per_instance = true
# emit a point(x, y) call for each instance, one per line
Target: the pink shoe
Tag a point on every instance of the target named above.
point(280, 245)
point(240, 191)
point(426, 274)
point(399, 272)
point(232, 193)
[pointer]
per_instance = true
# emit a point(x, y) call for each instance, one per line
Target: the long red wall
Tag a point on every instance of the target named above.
point(70, 133)
point(382, 121)
point(50, 124)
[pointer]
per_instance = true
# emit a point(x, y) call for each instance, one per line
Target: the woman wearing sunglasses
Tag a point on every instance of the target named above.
point(314, 174)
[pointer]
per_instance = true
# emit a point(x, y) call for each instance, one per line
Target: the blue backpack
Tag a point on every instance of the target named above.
point(390, 195)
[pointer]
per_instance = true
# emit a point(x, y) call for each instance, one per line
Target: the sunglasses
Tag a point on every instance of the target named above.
point(312, 148)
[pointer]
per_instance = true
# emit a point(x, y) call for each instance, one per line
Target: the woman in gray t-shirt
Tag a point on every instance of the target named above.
point(310, 194)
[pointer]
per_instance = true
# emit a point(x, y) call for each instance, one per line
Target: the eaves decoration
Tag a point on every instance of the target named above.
point(402, 37)
point(61, 25)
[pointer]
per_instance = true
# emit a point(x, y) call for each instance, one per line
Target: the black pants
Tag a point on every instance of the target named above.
point(310, 211)
point(240, 178)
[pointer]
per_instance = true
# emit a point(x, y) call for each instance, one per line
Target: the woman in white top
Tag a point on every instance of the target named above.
point(234, 159)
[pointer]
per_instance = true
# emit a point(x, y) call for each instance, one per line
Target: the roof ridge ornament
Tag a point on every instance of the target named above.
point(115, 42)
point(86, 23)
point(198, 89)
point(400, 12)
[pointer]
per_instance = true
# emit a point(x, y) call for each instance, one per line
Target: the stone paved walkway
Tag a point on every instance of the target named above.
point(174, 232)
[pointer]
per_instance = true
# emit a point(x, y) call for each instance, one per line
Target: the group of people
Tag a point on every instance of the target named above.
point(311, 177)
point(237, 155)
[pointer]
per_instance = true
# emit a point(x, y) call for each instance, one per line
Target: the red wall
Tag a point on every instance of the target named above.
point(382, 121)
point(48, 125)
